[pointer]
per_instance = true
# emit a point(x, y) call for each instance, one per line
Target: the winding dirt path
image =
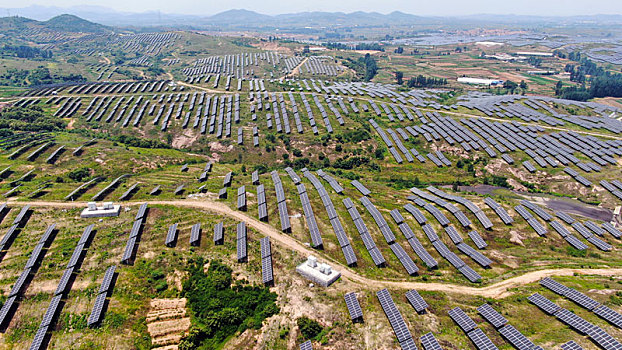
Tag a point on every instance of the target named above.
point(496, 290)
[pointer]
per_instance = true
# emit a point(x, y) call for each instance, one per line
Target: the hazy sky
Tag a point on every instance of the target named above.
point(418, 7)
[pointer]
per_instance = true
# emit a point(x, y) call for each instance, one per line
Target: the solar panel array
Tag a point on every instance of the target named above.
point(571, 345)
point(281, 202)
point(171, 235)
point(340, 232)
point(595, 333)
point(314, 231)
point(105, 290)
point(331, 181)
point(242, 198)
point(63, 288)
point(511, 334)
point(242, 243)
point(354, 308)
point(262, 206)
point(19, 221)
point(479, 214)
point(414, 242)
point(359, 186)
point(306, 345)
point(429, 342)
point(396, 320)
point(499, 210)
point(583, 300)
point(19, 287)
point(130, 246)
point(386, 231)
point(195, 234)
point(416, 301)
point(267, 274)
point(369, 243)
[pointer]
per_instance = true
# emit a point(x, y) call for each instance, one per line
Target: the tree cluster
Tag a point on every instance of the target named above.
point(219, 308)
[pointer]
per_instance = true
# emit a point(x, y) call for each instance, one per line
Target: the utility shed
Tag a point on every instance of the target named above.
point(318, 273)
point(93, 211)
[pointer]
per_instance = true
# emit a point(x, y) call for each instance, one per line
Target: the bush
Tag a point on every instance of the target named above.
point(78, 175)
point(308, 327)
point(221, 309)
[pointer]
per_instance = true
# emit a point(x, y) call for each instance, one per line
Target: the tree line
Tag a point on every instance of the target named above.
point(601, 83)
point(22, 51)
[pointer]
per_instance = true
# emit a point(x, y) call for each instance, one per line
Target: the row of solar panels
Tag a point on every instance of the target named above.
point(587, 231)
point(583, 300)
point(105, 290)
point(63, 288)
point(340, 232)
point(281, 202)
point(131, 245)
point(20, 221)
point(442, 249)
point(8, 308)
point(242, 198)
point(369, 243)
point(241, 242)
point(597, 334)
point(403, 335)
point(267, 274)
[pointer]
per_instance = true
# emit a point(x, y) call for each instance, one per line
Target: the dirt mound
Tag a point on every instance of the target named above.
point(167, 322)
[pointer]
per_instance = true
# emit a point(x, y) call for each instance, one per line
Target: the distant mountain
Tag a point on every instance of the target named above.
point(15, 23)
point(63, 23)
point(239, 16)
point(73, 24)
point(245, 19)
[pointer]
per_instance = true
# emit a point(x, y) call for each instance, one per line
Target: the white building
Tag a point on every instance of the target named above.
point(478, 81)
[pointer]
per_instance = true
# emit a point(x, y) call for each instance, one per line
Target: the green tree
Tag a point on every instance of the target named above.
point(399, 77)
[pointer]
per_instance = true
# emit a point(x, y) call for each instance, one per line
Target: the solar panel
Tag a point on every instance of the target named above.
point(516, 338)
point(573, 320)
point(195, 234)
point(306, 345)
point(463, 321)
point(492, 316)
point(266, 270)
point(266, 249)
point(107, 281)
point(37, 342)
point(416, 301)
point(6, 312)
point(352, 303)
point(477, 239)
point(395, 317)
point(96, 314)
point(129, 251)
point(429, 342)
point(581, 299)
point(51, 311)
point(171, 235)
point(408, 344)
point(481, 340)
point(219, 233)
point(241, 249)
point(544, 304)
point(571, 345)
point(554, 286)
point(609, 314)
point(470, 274)
point(86, 235)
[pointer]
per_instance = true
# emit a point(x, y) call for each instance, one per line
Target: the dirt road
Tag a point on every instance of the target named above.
point(497, 290)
